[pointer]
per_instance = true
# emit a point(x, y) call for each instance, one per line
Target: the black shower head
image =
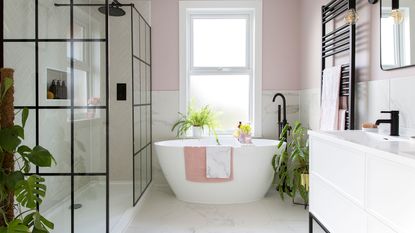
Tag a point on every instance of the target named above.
point(115, 9)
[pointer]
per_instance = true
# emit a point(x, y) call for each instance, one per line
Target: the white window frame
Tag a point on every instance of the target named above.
point(212, 9)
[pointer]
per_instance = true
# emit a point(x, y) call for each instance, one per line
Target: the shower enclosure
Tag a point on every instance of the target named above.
point(60, 50)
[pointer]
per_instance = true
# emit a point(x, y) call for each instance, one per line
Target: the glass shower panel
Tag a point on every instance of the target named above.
point(19, 19)
point(143, 127)
point(148, 84)
point(54, 21)
point(89, 74)
point(143, 83)
point(137, 129)
point(54, 74)
point(137, 176)
point(55, 135)
point(141, 104)
point(148, 44)
point(149, 162)
point(90, 204)
point(142, 42)
point(56, 205)
point(89, 23)
point(90, 140)
point(137, 83)
point(136, 33)
point(144, 169)
point(21, 56)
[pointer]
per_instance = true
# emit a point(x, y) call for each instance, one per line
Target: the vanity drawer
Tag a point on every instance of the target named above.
point(390, 193)
point(337, 213)
point(341, 167)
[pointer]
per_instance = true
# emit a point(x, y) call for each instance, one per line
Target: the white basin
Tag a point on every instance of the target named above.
point(362, 137)
point(395, 145)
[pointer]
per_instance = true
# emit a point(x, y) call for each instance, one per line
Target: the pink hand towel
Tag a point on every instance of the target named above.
point(195, 166)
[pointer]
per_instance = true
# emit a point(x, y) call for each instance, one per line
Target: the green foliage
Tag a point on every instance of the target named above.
point(29, 191)
point(291, 162)
point(6, 84)
point(204, 118)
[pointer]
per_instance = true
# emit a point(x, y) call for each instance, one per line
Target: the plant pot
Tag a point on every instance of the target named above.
point(305, 181)
point(197, 132)
point(245, 138)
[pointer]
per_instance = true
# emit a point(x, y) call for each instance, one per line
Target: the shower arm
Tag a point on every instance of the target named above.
point(92, 4)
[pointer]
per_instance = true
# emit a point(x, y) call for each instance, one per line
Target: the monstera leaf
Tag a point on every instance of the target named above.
point(39, 223)
point(31, 191)
point(15, 226)
point(10, 139)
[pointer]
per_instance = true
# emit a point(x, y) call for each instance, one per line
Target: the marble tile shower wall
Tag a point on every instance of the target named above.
point(371, 98)
point(166, 107)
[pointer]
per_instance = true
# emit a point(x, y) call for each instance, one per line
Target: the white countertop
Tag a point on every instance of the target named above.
point(392, 147)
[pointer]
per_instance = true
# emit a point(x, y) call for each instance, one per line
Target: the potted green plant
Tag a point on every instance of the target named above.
point(291, 164)
point(197, 120)
point(20, 194)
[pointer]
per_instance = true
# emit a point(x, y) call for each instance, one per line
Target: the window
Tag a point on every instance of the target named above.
point(220, 60)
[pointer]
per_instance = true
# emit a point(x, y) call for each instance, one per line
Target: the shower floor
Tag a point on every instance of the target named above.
point(90, 218)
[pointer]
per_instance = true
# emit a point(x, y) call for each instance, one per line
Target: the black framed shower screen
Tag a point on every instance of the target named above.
point(31, 42)
point(141, 103)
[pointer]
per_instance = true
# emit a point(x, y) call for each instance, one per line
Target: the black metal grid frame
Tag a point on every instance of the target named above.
point(341, 40)
point(72, 106)
point(311, 220)
point(147, 146)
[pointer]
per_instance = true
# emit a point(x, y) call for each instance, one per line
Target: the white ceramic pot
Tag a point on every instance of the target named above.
point(197, 132)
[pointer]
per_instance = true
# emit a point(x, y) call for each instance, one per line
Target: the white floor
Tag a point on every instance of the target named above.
point(91, 217)
point(161, 212)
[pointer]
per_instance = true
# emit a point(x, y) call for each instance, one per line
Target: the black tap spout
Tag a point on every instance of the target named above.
point(281, 124)
point(393, 121)
point(284, 104)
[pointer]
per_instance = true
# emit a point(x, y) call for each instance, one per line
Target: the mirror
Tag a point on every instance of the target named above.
point(397, 17)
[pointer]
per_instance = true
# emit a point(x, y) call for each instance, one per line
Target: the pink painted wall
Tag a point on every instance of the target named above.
point(367, 44)
point(281, 37)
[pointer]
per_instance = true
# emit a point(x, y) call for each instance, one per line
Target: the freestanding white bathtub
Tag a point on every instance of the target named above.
point(252, 171)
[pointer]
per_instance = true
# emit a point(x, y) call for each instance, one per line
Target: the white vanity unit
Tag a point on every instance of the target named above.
point(362, 182)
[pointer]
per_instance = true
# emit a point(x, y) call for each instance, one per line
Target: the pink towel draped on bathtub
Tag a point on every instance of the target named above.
point(195, 166)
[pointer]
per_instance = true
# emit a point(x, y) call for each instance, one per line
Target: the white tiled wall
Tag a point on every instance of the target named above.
point(372, 97)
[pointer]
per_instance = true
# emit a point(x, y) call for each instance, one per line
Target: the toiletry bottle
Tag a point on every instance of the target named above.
point(52, 88)
point(58, 90)
point(64, 91)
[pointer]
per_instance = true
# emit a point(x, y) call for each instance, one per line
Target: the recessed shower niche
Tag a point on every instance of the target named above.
point(57, 85)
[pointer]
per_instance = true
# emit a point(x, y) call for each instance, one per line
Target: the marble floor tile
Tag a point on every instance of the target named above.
point(163, 213)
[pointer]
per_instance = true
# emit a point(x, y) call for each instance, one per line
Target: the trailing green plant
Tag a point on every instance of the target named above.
point(291, 163)
point(20, 194)
point(204, 117)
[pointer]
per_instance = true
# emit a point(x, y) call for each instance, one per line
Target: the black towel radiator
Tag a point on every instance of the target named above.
point(341, 40)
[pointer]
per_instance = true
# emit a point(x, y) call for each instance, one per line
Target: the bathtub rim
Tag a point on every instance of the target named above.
point(179, 143)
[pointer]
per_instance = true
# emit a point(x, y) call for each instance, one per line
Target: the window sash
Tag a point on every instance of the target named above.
point(245, 70)
point(254, 66)
point(223, 15)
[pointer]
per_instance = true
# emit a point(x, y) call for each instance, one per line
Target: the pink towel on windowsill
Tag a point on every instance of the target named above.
point(195, 166)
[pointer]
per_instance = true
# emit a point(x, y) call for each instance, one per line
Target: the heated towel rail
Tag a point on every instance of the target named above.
point(341, 40)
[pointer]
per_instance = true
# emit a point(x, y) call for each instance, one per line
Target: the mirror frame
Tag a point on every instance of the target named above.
point(380, 44)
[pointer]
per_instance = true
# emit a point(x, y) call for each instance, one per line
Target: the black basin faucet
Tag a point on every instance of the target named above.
point(394, 122)
point(283, 122)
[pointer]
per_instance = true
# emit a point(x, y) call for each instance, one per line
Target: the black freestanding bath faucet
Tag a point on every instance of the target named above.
point(394, 122)
point(283, 122)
